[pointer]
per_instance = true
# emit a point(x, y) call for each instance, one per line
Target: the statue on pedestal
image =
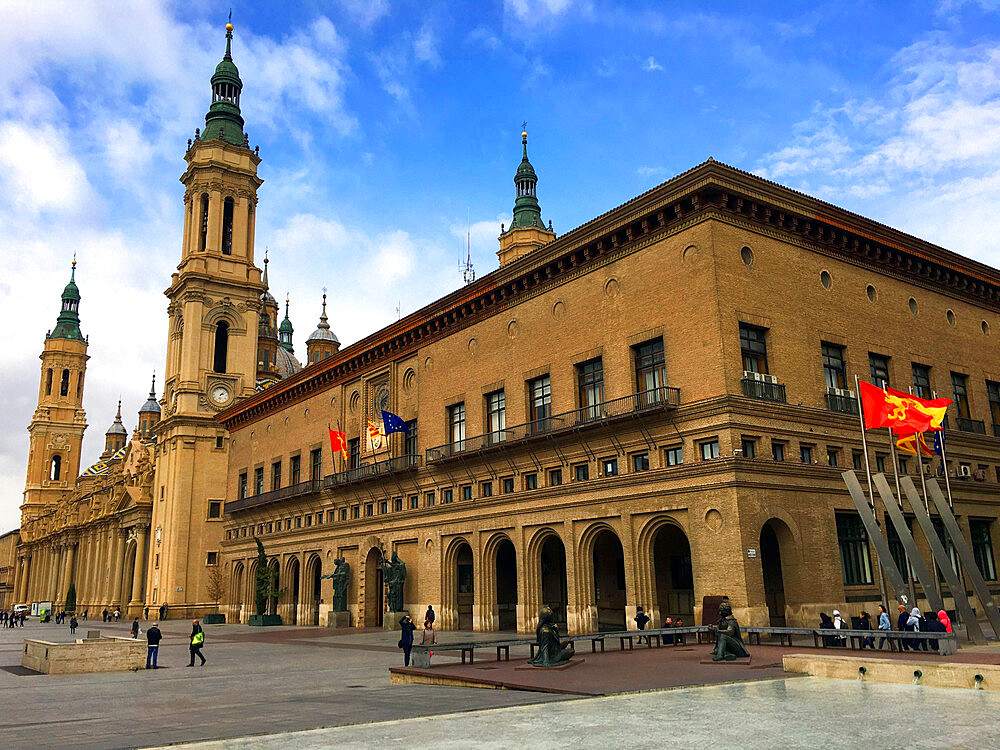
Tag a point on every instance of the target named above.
point(729, 643)
point(394, 575)
point(551, 651)
point(341, 580)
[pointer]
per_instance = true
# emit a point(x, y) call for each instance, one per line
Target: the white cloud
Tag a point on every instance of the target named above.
point(533, 10)
point(651, 65)
point(38, 170)
point(365, 12)
point(425, 46)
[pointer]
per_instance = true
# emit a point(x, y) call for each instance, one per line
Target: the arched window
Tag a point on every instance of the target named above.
point(48, 383)
point(227, 227)
point(64, 385)
point(55, 468)
point(79, 384)
point(221, 346)
point(204, 221)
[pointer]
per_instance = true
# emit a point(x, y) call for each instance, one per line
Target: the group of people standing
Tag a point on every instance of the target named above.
point(912, 621)
point(12, 619)
point(428, 636)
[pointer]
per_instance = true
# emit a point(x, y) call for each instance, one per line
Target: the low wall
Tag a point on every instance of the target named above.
point(933, 674)
point(85, 655)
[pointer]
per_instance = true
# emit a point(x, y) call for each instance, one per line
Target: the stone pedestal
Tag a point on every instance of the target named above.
point(264, 620)
point(338, 619)
point(391, 619)
point(420, 657)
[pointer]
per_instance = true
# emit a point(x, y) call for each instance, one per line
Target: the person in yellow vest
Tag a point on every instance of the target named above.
point(197, 641)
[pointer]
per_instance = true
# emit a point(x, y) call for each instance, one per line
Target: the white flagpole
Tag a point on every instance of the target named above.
point(951, 504)
point(871, 498)
point(899, 501)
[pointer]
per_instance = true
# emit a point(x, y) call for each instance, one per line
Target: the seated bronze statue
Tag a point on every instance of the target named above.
point(729, 643)
point(551, 652)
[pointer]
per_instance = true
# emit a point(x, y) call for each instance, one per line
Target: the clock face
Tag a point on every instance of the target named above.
point(220, 394)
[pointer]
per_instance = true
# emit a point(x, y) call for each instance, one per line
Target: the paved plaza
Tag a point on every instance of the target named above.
point(309, 687)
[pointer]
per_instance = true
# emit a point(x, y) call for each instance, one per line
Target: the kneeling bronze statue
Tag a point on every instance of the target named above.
point(729, 643)
point(551, 652)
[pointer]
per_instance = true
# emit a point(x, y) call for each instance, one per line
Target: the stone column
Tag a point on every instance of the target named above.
point(52, 584)
point(140, 565)
point(118, 562)
point(68, 575)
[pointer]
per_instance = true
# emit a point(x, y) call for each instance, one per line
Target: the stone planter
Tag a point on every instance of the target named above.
point(214, 619)
point(263, 621)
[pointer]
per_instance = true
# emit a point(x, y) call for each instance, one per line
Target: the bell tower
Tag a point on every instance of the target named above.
point(215, 303)
point(57, 426)
point(527, 231)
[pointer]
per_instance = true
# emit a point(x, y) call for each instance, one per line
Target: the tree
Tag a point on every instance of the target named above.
point(71, 598)
point(216, 584)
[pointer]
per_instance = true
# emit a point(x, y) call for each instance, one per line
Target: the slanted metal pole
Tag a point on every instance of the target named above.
point(898, 498)
point(875, 534)
point(883, 593)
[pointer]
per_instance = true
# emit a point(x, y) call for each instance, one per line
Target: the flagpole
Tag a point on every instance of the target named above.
point(899, 502)
point(871, 498)
point(951, 504)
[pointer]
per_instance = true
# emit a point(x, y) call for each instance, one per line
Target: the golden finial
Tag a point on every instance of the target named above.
point(229, 23)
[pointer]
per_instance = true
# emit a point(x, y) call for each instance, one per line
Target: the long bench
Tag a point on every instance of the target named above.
point(855, 639)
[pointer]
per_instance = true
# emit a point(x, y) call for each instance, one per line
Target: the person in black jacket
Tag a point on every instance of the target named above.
point(153, 638)
point(933, 625)
point(406, 627)
point(904, 643)
point(826, 623)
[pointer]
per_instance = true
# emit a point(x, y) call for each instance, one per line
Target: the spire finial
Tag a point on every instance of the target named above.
point(152, 388)
point(72, 273)
point(524, 139)
point(286, 304)
point(118, 416)
point(229, 37)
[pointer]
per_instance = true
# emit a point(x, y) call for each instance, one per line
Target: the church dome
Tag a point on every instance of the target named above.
point(285, 363)
point(117, 428)
point(151, 406)
point(323, 332)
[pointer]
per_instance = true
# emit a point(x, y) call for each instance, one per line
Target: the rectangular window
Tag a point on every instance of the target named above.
point(447, 495)
point(777, 451)
point(298, 522)
point(903, 464)
point(531, 481)
point(878, 365)
point(960, 391)
point(709, 449)
point(834, 368)
point(288, 524)
point(832, 456)
point(540, 403)
point(218, 440)
point(343, 514)
point(410, 441)
point(921, 380)
point(508, 485)
point(243, 485)
point(650, 370)
point(590, 387)
point(880, 462)
point(675, 456)
point(581, 472)
point(496, 415)
point(982, 547)
point(749, 447)
point(295, 469)
point(213, 558)
point(383, 506)
point(397, 504)
point(610, 467)
point(456, 426)
point(466, 491)
point(854, 555)
point(309, 520)
point(258, 480)
point(354, 449)
point(640, 462)
point(276, 475)
point(215, 509)
point(858, 460)
point(806, 454)
point(355, 511)
point(555, 477)
point(316, 464)
point(753, 347)
point(993, 396)
point(897, 550)
point(486, 489)
point(369, 509)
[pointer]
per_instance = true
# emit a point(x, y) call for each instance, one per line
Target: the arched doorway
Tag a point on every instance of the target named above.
point(554, 589)
point(770, 566)
point(465, 586)
point(314, 590)
point(272, 601)
point(236, 596)
point(126, 582)
point(373, 589)
point(609, 581)
point(673, 576)
point(506, 585)
point(292, 595)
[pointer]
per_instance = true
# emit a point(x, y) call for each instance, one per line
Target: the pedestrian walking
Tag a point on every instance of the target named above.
point(145, 613)
point(406, 627)
point(104, 614)
point(197, 641)
point(901, 618)
point(430, 615)
point(163, 609)
point(641, 620)
point(884, 624)
point(73, 624)
point(153, 638)
point(135, 628)
point(429, 636)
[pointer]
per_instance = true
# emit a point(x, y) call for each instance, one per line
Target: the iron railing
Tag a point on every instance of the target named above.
point(977, 426)
point(372, 471)
point(764, 390)
point(635, 404)
point(266, 498)
point(843, 404)
point(996, 429)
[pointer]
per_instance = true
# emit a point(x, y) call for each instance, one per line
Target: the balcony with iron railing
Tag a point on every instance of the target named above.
point(627, 407)
point(977, 426)
point(766, 390)
point(845, 403)
point(266, 498)
point(996, 429)
point(374, 470)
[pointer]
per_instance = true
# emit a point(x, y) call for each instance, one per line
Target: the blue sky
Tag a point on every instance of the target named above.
point(387, 128)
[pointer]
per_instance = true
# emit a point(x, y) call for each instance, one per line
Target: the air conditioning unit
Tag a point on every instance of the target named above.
point(964, 472)
point(751, 375)
point(772, 379)
point(842, 392)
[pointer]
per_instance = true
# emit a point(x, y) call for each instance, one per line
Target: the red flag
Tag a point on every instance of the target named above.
point(913, 443)
point(903, 413)
point(338, 443)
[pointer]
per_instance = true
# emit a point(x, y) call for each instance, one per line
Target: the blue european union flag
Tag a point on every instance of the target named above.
point(939, 442)
point(393, 423)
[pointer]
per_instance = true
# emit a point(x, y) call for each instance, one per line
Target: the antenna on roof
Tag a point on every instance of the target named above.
point(468, 272)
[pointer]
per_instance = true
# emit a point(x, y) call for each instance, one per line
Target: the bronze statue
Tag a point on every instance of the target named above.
point(394, 574)
point(729, 642)
point(341, 580)
point(551, 651)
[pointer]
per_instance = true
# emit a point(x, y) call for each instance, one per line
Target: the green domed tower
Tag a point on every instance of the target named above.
point(224, 121)
point(527, 232)
point(68, 322)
